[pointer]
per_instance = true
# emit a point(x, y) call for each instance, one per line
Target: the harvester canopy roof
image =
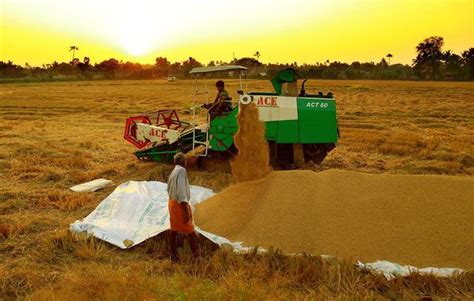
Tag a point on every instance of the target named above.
point(211, 69)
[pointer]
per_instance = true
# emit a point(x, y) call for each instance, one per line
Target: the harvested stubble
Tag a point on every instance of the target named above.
point(253, 161)
point(417, 220)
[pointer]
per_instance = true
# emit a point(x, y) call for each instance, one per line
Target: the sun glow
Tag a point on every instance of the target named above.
point(136, 45)
point(137, 36)
point(137, 29)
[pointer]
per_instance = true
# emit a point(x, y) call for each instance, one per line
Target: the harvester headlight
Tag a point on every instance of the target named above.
point(245, 99)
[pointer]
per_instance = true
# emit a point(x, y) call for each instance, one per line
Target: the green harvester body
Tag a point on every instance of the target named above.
point(299, 126)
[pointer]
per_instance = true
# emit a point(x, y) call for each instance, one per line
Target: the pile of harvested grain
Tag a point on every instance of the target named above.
point(252, 161)
point(417, 220)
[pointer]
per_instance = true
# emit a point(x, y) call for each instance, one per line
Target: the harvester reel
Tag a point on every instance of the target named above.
point(131, 130)
point(245, 99)
point(168, 118)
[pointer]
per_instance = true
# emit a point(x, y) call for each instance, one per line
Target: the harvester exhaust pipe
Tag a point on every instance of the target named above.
point(303, 91)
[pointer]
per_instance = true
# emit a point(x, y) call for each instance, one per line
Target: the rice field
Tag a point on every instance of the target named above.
point(55, 135)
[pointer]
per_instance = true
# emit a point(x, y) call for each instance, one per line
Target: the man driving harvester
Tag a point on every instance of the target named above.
point(222, 102)
point(181, 218)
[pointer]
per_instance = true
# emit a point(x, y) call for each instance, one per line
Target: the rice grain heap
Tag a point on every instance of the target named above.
point(252, 161)
point(416, 220)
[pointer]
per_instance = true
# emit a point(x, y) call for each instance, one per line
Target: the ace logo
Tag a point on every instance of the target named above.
point(267, 101)
point(158, 133)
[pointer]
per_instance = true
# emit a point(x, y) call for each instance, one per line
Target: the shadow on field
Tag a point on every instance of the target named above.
point(158, 246)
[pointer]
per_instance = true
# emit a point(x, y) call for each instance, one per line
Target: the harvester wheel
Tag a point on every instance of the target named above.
point(281, 155)
point(317, 152)
point(215, 162)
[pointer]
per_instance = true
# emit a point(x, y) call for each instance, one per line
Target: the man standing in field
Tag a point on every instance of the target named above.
point(181, 219)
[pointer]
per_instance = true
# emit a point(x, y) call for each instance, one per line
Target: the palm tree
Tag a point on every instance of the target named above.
point(73, 48)
point(389, 56)
point(257, 55)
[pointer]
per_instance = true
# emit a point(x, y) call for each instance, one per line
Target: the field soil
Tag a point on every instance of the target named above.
point(58, 134)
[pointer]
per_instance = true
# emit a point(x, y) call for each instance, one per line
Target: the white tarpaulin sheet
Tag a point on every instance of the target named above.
point(92, 185)
point(392, 270)
point(136, 211)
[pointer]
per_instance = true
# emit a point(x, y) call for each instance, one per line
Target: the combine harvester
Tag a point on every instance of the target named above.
point(300, 127)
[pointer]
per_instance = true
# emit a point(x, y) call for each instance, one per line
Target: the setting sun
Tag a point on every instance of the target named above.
point(136, 37)
point(136, 29)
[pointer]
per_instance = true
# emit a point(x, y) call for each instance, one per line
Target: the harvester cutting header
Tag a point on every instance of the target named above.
point(300, 127)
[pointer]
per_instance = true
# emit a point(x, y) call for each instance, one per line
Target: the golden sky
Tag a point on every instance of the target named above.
point(305, 31)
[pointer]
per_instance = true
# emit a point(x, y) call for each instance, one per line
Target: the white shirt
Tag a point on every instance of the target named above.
point(178, 185)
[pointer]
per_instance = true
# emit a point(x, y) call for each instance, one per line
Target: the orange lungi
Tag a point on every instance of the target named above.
point(178, 216)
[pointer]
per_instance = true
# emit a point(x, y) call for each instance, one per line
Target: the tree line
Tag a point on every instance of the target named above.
point(431, 63)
